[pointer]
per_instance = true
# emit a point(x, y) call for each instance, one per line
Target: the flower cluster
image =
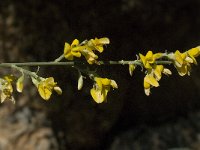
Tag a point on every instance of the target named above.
point(45, 86)
point(6, 89)
point(153, 65)
point(86, 48)
point(183, 61)
point(153, 71)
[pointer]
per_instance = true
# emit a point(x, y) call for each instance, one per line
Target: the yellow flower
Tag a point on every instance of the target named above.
point(72, 50)
point(86, 48)
point(192, 53)
point(97, 44)
point(6, 89)
point(183, 61)
point(179, 58)
point(149, 59)
point(153, 76)
point(46, 87)
point(101, 88)
point(149, 81)
point(158, 70)
point(90, 56)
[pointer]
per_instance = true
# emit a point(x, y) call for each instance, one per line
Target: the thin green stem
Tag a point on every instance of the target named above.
point(72, 63)
point(59, 58)
point(27, 72)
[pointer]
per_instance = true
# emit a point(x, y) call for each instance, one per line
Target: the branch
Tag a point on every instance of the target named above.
point(72, 63)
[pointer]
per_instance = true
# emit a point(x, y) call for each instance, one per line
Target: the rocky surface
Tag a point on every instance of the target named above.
point(182, 133)
point(25, 129)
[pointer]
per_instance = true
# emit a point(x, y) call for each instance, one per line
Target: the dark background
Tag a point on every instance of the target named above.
point(34, 30)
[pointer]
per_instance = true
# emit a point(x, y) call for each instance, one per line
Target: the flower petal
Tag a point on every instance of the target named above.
point(194, 52)
point(80, 82)
point(76, 54)
point(146, 85)
point(157, 55)
point(131, 69)
point(58, 90)
point(151, 80)
point(98, 83)
point(143, 59)
point(105, 81)
point(147, 91)
point(99, 48)
point(75, 43)
point(158, 71)
point(19, 84)
point(44, 92)
point(97, 95)
point(69, 56)
point(113, 84)
point(67, 48)
point(167, 71)
point(178, 58)
point(149, 55)
point(104, 41)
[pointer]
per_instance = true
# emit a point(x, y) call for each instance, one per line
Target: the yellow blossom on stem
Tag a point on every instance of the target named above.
point(46, 87)
point(101, 88)
point(73, 50)
point(149, 81)
point(97, 44)
point(183, 61)
point(131, 69)
point(6, 89)
point(179, 58)
point(149, 59)
point(158, 70)
point(90, 56)
point(194, 52)
point(153, 76)
point(86, 48)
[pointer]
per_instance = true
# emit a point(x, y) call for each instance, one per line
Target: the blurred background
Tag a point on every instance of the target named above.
point(169, 119)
